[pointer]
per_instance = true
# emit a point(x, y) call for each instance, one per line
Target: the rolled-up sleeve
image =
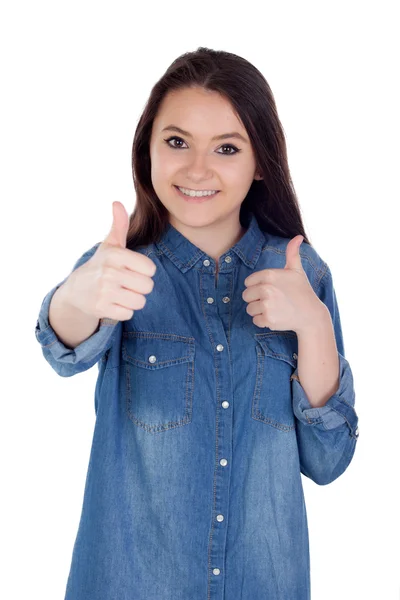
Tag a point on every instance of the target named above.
point(66, 361)
point(327, 435)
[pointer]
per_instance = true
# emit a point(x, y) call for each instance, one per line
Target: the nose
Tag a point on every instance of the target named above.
point(197, 167)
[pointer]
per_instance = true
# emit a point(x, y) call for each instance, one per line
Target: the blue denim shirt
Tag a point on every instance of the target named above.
point(202, 431)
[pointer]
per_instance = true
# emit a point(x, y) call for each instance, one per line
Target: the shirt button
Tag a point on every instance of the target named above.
point(228, 259)
point(206, 262)
point(152, 358)
point(210, 300)
point(225, 299)
point(216, 571)
point(225, 404)
point(220, 347)
point(220, 518)
point(223, 462)
point(295, 355)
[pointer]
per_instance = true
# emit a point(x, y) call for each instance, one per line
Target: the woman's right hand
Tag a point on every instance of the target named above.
point(113, 282)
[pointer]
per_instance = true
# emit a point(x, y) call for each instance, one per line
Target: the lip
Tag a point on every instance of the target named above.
point(193, 199)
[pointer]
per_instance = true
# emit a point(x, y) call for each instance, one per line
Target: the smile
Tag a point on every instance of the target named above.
point(195, 199)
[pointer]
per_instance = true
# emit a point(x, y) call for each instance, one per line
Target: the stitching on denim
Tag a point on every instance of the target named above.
point(346, 420)
point(256, 413)
point(163, 426)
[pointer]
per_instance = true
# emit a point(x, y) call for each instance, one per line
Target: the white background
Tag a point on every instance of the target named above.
point(74, 80)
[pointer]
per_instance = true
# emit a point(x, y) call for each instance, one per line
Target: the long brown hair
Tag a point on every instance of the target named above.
point(272, 199)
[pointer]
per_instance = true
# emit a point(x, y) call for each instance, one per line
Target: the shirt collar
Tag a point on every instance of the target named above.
point(184, 254)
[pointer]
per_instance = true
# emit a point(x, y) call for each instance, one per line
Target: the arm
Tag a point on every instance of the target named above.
point(71, 326)
point(318, 360)
point(326, 430)
point(84, 348)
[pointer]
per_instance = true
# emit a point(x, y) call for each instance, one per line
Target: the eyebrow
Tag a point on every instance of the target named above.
point(223, 136)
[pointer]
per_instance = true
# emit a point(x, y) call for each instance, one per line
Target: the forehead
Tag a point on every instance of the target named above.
point(199, 111)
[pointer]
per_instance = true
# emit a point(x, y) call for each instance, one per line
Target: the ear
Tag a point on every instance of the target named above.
point(258, 176)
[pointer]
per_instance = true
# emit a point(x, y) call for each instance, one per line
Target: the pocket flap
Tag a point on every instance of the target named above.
point(156, 350)
point(281, 345)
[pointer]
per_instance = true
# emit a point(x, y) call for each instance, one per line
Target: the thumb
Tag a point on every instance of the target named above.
point(119, 227)
point(293, 260)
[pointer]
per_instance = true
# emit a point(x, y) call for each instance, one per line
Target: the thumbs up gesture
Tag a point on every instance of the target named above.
point(283, 299)
point(119, 227)
point(113, 282)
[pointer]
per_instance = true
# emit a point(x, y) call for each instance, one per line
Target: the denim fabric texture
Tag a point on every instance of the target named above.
point(202, 431)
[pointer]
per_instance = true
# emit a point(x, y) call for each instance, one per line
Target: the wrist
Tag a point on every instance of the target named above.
point(320, 320)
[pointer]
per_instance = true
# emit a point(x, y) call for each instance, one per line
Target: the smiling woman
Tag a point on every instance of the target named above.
point(217, 140)
point(203, 426)
point(201, 162)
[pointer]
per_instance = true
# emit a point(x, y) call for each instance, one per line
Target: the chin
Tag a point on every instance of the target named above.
point(189, 218)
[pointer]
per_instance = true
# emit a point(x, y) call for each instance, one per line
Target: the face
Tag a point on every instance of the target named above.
point(195, 161)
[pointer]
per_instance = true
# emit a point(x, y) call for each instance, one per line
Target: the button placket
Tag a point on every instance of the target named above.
point(206, 263)
point(225, 404)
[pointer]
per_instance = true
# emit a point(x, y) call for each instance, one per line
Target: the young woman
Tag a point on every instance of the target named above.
point(222, 373)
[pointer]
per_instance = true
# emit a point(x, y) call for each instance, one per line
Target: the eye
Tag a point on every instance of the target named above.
point(174, 137)
point(236, 150)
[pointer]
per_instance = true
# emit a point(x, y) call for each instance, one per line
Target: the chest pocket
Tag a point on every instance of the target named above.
point(159, 379)
point(276, 361)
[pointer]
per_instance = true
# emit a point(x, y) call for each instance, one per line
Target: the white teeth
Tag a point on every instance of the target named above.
point(188, 192)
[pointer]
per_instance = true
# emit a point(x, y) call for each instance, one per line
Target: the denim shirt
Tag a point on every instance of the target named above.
point(202, 432)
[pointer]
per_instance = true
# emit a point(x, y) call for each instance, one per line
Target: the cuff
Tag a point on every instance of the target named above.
point(338, 409)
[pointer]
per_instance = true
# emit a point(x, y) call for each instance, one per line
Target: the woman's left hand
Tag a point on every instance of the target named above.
point(283, 299)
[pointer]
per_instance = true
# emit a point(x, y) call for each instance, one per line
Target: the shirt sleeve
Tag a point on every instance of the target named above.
point(327, 435)
point(66, 361)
